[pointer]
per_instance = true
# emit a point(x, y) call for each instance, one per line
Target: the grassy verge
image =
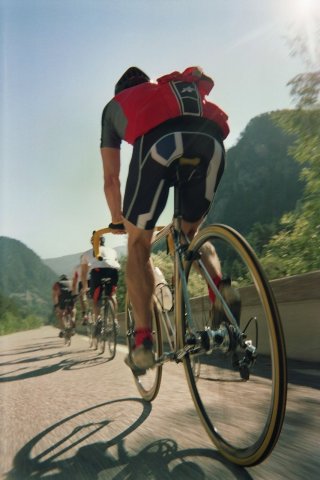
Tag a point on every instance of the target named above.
point(9, 323)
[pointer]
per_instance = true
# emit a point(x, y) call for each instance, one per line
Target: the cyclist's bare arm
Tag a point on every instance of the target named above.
point(84, 276)
point(111, 171)
point(55, 295)
point(74, 285)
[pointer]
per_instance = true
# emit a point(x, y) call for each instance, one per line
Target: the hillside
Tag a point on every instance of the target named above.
point(261, 180)
point(24, 277)
point(63, 265)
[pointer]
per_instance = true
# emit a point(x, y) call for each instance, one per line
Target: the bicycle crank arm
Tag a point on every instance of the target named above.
point(178, 355)
point(166, 357)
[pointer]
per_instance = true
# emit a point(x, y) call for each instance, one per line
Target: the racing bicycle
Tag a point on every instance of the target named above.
point(103, 330)
point(239, 385)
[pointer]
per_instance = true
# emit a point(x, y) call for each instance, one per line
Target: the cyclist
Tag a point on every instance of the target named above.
point(163, 120)
point(61, 293)
point(107, 266)
point(78, 292)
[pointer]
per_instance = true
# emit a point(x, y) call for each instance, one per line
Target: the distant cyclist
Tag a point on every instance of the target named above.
point(62, 296)
point(107, 266)
point(164, 120)
point(77, 289)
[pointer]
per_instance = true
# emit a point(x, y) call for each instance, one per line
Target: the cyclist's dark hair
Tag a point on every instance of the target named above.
point(131, 77)
point(63, 277)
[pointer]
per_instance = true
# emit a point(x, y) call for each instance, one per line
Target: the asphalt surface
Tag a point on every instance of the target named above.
point(68, 413)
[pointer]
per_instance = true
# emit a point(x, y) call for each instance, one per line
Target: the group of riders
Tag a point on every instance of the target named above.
point(85, 285)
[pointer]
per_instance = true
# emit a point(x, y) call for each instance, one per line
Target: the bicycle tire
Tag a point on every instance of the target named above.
point(90, 332)
point(148, 384)
point(242, 418)
point(111, 331)
point(101, 333)
point(67, 330)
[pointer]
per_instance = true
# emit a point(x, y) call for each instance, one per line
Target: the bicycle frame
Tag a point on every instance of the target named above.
point(177, 351)
point(181, 253)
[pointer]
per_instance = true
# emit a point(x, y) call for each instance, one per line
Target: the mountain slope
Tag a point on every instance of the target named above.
point(24, 277)
point(261, 180)
point(63, 265)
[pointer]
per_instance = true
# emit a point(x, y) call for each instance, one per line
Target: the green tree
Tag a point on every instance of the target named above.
point(14, 319)
point(296, 249)
point(261, 179)
point(260, 234)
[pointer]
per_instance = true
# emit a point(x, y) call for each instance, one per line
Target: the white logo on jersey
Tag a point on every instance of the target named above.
point(188, 90)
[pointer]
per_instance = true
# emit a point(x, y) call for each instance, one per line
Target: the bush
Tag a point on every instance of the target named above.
point(9, 323)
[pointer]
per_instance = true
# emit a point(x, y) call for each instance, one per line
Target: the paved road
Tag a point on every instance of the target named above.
point(67, 414)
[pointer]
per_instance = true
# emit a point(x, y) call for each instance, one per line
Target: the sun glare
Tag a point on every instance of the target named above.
point(307, 19)
point(307, 7)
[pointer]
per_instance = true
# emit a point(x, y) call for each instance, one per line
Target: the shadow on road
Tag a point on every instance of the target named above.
point(73, 449)
point(69, 363)
point(35, 347)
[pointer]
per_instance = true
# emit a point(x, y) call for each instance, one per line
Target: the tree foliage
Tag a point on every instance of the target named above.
point(261, 180)
point(12, 319)
point(296, 248)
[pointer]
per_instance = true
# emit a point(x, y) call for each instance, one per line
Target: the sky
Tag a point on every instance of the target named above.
point(59, 61)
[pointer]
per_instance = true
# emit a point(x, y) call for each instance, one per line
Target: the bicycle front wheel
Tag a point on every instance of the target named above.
point(148, 384)
point(240, 396)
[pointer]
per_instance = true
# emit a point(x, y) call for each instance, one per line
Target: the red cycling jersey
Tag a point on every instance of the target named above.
point(147, 105)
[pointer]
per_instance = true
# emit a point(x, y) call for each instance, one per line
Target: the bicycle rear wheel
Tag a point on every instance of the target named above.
point(241, 402)
point(90, 329)
point(110, 330)
point(148, 384)
point(100, 333)
point(67, 329)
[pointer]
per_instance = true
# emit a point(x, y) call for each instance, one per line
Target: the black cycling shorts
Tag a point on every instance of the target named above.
point(151, 170)
point(65, 300)
point(96, 275)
